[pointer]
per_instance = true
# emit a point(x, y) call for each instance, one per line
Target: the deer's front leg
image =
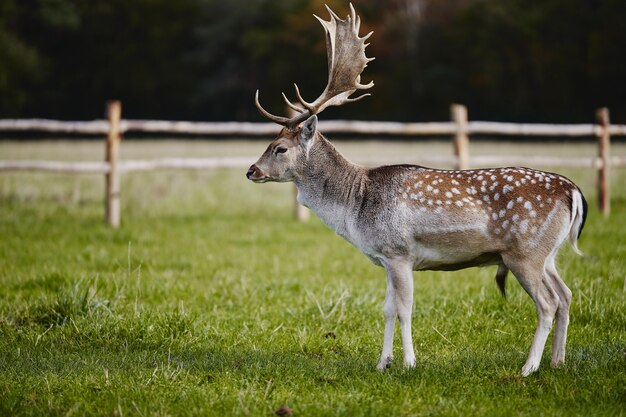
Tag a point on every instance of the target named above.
point(398, 302)
point(390, 324)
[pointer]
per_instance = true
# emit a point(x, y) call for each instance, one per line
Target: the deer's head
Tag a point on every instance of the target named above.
point(285, 154)
point(346, 61)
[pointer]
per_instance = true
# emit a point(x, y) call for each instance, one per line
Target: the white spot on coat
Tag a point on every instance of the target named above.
point(523, 226)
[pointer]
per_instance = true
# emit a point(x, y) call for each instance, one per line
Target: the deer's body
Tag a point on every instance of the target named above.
point(409, 218)
point(436, 219)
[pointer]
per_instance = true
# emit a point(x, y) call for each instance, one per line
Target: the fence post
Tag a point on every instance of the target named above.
point(112, 177)
point(458, 113)
point(604, 154)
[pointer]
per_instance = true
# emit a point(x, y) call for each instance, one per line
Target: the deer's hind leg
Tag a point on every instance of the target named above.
point(532, 275)
point(562, 312)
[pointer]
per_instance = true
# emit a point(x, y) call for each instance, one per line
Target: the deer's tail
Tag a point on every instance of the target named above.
point(578, 218)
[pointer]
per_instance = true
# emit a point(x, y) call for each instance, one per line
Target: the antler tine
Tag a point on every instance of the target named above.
point(353, 99)
point(360, 86)
point(356, 20)
point(306, 104)
point(291, 105)
point(332, 14)
point(277, 119)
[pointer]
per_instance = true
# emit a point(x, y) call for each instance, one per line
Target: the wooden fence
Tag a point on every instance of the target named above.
point(459, 128)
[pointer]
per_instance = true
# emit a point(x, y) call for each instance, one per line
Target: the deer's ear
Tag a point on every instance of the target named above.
point(307, 133)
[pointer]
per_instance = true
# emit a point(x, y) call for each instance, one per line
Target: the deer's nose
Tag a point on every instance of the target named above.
point(251, 171)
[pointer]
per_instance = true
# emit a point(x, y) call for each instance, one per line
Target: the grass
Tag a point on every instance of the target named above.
point(211, 300)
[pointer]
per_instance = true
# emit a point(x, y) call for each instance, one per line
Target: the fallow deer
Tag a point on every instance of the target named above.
point(410, 218)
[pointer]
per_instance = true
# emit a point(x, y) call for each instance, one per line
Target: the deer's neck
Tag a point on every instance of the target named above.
point(331, 186)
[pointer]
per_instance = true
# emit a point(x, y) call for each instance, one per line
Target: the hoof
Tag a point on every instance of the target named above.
point(529, 368)
point(557, 363)
point(384, 363)
point(410, 363)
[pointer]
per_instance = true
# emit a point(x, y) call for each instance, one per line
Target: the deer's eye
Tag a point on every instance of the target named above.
point(280, 149)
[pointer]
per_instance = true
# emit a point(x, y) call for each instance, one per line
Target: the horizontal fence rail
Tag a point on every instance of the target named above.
point(101, 127)
point(93, 127)
point(459, 128)
point(61, 167)
point(131, 165)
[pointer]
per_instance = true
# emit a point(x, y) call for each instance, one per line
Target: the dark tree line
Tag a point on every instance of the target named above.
point(524, 60)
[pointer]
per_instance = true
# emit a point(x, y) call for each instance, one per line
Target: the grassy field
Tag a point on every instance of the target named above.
point(211, 300)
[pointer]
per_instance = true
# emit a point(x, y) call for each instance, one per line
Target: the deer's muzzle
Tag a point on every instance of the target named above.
point(255, 174)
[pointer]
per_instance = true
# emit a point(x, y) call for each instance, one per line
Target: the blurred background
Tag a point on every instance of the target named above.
point(515, 60)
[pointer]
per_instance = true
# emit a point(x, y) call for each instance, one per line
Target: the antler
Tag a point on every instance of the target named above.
point(346, 62)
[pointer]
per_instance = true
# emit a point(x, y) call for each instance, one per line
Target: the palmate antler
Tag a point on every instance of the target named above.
point(346, 61)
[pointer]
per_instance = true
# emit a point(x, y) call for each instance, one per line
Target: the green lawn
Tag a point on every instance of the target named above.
point(212, 300)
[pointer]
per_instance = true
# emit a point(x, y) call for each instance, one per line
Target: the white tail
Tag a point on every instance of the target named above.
point(409, 218)
point(579, 214)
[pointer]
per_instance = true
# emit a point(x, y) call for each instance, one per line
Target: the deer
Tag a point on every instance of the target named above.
point(408, 218)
